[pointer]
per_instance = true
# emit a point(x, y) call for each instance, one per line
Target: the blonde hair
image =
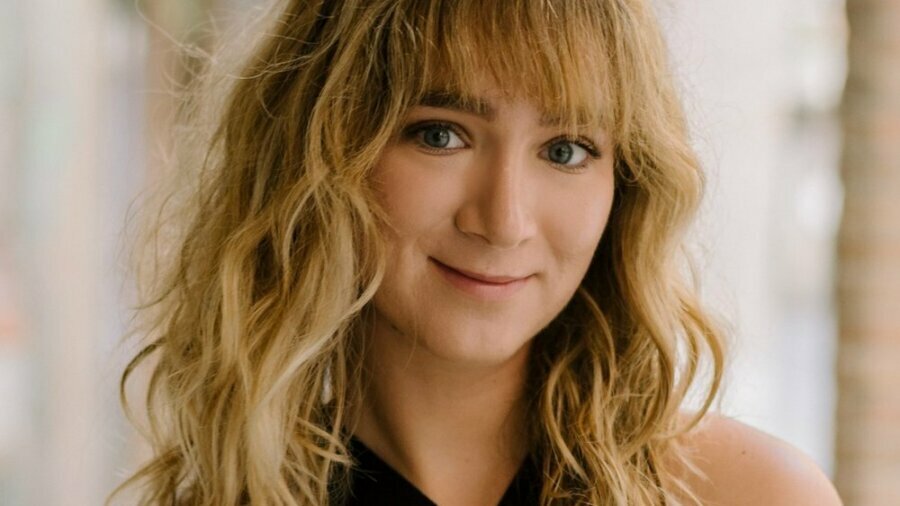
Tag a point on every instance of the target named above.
point(255, 315)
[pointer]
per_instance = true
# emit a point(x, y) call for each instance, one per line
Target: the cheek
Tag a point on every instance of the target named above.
point(414, 197)
point(577, 222)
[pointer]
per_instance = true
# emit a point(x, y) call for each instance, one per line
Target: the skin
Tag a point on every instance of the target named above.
point(447, 368)
point(747, 467)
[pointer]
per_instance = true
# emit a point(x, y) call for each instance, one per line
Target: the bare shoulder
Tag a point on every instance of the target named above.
point(745, 466)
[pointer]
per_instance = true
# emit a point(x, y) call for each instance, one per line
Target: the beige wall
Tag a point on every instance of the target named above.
point(69, 92)
point(869, 268)
point(762, 82)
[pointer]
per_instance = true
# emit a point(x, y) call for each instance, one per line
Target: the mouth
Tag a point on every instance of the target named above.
point(481, 286)
point(484, 278)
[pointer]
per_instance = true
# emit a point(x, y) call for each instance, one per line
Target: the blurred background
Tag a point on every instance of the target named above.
point(794, 108)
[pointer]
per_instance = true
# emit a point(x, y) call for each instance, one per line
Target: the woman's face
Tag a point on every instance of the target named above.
point(496, 213)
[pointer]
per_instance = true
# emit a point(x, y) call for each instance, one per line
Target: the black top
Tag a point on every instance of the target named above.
point(375, 483)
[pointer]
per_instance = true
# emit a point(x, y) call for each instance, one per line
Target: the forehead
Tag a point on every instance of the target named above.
point(484, 105)
point(555, 54)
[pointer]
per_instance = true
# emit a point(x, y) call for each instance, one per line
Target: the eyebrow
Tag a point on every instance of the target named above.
point(457, 102)
point(472, 105)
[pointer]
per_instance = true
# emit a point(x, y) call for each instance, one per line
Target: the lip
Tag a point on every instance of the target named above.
point(479, 285)
point(497, 280)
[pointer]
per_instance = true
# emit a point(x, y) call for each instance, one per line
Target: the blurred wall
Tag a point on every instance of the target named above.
point(869, 251)
point(85, 88)
point(69, 172)
point(73, 86)
point(761, 83)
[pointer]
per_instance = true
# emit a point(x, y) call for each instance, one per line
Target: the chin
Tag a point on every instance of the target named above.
point(459, 341)
point(475, 351)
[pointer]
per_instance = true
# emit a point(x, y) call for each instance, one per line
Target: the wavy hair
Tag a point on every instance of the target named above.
point(271, 250)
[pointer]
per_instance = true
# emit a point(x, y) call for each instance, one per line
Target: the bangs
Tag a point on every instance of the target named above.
point(552, 53)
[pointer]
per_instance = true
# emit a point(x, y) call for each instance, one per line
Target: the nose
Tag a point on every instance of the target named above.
point(498, 209)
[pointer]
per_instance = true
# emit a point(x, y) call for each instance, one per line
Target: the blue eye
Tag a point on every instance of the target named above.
point(568, 153)
point(438, 136)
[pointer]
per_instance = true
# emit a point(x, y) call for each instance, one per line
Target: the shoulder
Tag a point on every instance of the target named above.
point(745, 466)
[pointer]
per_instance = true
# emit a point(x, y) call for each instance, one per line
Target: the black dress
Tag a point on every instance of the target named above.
point(375, 483)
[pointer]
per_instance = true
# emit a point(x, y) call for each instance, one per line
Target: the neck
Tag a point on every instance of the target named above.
point(440, 423)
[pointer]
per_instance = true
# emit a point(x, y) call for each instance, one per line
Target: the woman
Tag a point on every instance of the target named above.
point(432, 257)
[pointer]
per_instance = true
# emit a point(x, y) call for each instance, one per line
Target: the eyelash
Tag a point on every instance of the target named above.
point(411, 132)
point(591, 149)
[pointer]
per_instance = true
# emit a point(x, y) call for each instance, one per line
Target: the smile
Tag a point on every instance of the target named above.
point(480, 286)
